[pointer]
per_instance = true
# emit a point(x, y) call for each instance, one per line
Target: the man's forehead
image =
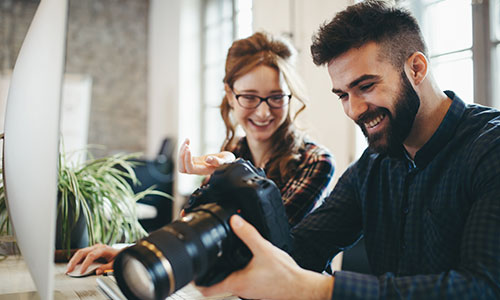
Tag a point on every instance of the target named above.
point(343, 74)
point(356, 63)
point(369, 52)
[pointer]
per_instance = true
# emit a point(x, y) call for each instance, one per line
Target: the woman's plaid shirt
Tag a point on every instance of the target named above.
point(310, 184)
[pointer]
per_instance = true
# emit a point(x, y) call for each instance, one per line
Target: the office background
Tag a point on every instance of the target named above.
point(153, 68)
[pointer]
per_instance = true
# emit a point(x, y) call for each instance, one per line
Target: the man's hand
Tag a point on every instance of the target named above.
point(271, 273)
point(201, 165)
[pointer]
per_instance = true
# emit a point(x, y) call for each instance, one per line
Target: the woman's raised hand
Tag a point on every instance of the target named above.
point(201, 165)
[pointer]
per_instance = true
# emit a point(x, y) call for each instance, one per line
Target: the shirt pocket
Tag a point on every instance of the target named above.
point(442, 232)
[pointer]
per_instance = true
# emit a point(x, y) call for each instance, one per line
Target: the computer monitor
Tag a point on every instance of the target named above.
point(31, 141)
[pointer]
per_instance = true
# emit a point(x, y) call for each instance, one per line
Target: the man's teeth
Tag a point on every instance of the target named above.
point(261, 123)
point(374, 122)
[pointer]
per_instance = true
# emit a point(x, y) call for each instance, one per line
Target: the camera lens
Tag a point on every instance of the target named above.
point(174, 255)
point(143, 283)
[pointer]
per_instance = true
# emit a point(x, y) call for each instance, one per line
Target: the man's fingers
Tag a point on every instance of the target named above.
point(216, 289)
point(212, 290)
point(237, 282)
point(248, 234)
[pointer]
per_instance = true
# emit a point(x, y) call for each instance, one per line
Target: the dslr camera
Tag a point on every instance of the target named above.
point(201, 245)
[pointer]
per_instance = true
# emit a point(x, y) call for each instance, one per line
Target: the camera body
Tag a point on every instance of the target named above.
point(201, 245)
point(244, 189)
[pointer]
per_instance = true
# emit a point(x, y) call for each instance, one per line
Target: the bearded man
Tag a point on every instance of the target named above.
point(425, 194)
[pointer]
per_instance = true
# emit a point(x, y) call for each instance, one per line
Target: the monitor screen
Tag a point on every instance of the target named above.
point(31, 141)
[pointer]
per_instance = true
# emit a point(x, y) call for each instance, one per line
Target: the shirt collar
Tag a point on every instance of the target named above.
point(443, 134)
point(242, 150)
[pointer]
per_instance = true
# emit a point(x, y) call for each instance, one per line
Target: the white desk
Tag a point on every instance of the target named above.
point(15, 278)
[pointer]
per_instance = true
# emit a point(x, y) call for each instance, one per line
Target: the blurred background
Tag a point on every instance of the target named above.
point(143, 75)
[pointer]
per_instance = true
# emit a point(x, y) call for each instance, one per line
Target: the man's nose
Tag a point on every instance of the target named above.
point(357, 106)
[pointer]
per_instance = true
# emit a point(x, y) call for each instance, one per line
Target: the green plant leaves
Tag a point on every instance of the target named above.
point(104, 197)
point(99, 191)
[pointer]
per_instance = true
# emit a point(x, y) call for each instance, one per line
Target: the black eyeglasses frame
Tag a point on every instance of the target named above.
point(262, 99)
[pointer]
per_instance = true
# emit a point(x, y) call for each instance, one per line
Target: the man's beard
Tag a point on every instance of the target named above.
point(390, 140)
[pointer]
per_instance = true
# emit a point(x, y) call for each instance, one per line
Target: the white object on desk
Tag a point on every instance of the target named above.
point(90, 270)
point(189, 292)
point(110, 288)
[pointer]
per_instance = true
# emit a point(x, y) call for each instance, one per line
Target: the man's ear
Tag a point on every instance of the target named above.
point(417, 67)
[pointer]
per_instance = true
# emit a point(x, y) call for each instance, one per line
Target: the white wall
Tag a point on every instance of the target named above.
point(163, 72)
point(173, 66)
point(75, 111)
point(324, 119)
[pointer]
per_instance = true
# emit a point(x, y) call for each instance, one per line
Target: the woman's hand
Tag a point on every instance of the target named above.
point(90, 254)
point(201, 165)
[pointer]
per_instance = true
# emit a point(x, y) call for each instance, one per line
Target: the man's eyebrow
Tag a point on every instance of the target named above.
point(356, 82)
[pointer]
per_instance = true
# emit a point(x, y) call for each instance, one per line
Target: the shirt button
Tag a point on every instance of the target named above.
point(403, 246)
point(406, 210)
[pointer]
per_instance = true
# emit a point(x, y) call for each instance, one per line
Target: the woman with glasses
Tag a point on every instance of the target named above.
point(260, 85)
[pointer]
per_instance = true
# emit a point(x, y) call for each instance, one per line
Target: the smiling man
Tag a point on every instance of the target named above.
point(425, 194)
point(364, 86)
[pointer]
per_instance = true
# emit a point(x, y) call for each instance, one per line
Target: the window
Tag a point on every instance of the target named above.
point(464, 47)
point(223, 22)
point(494, 17)
point(463, 37)
point(450, 49)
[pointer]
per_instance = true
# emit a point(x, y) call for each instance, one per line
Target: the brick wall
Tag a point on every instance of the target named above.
point(107, 39)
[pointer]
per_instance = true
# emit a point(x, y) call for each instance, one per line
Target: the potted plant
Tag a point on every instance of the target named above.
point(97, 194)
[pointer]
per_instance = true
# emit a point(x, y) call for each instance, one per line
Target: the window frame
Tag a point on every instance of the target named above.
point(205, 134)
point(483, 48)
point(485, 60)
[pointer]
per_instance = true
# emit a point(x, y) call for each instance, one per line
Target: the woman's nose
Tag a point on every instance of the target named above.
point(263, 110)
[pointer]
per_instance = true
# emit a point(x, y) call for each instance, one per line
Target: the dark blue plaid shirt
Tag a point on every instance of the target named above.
point(431, 226)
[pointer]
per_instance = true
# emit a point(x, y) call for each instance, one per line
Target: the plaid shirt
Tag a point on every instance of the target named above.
point(308, 187)
point(431, 226)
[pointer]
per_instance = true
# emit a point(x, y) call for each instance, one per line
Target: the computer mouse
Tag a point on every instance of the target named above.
point(90, 270)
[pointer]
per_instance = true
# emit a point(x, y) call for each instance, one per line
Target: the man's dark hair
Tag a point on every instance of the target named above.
point(394, 29)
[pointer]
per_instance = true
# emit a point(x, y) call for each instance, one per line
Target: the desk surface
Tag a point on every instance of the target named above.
point(15, 278)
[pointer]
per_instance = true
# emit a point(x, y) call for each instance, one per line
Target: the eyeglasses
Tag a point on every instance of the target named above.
point(253, 101)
